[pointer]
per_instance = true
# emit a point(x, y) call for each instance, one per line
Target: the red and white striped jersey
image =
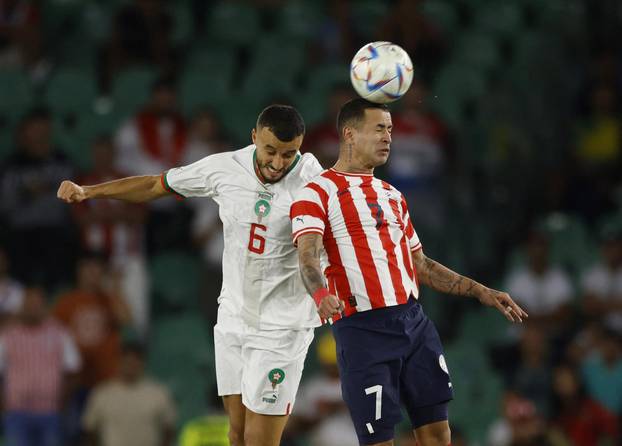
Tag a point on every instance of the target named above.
point(367, 234)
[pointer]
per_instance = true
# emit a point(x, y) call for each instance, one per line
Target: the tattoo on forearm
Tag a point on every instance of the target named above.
point(441, 278)
point(312, 277)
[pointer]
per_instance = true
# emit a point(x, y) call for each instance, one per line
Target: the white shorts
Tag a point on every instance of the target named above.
point(264, 366)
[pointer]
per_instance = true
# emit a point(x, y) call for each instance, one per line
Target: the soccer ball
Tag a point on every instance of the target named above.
point(381, 72)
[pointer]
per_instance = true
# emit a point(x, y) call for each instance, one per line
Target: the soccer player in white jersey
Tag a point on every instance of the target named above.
point(388, 351)
point(265, 317)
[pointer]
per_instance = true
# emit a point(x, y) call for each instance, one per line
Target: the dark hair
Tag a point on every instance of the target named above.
point(353, 112)
point(282, 120)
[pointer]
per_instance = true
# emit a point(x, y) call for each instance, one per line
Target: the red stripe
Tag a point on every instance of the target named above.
point(303, 207)
point(321, 193)
point(166, 187)
point(387, 244)
point(338, 283)
point(359, 241)
point(404, 243)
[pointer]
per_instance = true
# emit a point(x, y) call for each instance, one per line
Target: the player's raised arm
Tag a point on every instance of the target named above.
point(133, 189)
point(309, 248)
point(441, 278)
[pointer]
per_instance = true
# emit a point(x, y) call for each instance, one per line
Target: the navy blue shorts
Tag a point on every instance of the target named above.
point(388, 357)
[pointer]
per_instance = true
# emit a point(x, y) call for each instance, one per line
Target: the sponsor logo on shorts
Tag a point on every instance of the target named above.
point(270, 397)
point(443, 364)
point(276, 376)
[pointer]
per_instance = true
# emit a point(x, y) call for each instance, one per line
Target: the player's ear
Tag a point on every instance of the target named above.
point(347, 134)
point(254, 136)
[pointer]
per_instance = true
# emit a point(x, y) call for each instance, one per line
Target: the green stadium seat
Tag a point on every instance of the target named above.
point(503, 19)
point(175, 281)
point(483, 326)
point(477, 389)
point(454, 86)
point(183, 25)
point(131, 88)
point(299, 18)
point(199, 88)
point(367, 15)
point(322, 78)
point(71, 90)
point(442, 14)
point(477, 49)
point(239, 115)
point(16, 93)
point(181, 355)
point(219, 59)
point(234, 23)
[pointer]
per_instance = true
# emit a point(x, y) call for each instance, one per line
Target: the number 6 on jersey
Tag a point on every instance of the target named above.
point(256, 243)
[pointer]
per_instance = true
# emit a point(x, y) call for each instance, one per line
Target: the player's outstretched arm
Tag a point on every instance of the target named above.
point(309, 249)
point(441, 278)
point(133, 189)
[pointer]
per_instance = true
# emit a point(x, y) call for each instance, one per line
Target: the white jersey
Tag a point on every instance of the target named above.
point(261, 279)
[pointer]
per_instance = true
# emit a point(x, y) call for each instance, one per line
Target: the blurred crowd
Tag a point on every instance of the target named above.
point(508, 148)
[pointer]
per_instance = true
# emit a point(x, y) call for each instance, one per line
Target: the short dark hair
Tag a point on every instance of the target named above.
point(353, 112)
point(282, 120)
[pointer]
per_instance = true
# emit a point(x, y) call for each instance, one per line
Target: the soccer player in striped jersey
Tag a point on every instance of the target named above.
point(388, 351)
point(265, 317)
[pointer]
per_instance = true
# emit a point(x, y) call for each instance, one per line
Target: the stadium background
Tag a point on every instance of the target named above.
point(509, 154)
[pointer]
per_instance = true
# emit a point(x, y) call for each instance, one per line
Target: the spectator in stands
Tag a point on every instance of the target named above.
point(531, 376)
point(542, 289)
point(142, 33)
point(320, 411)
point(578, 418)
point(155, 138)
point(37, 361)
point(20, 36)
point(39, 226)
point(419, 158)
point(407, 25)
point(598, 154)
point(602, 371)
point(322, 138)
point(95, 314)
point(116, 229)
point(205, 136)
point(520, 424)
point(132, 409)
point(11, 291)
point(154, 141)
point(602, 284)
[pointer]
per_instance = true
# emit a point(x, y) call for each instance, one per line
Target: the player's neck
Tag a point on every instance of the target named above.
point(352, 166)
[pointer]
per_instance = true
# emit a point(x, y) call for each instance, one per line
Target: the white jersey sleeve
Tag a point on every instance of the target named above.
point(193, 180)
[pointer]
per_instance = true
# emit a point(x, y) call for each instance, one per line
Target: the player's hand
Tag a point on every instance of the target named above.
point(504, 303)
point(70, 192)
point(330, 306)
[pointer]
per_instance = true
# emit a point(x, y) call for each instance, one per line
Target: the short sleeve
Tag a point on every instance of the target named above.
point(308, 212)
point(409, 229)
point(193, 180)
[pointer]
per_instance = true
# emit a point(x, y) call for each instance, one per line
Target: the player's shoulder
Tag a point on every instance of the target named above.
point(310, 167)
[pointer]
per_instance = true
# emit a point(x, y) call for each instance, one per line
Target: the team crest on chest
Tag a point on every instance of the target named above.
point(263, 206)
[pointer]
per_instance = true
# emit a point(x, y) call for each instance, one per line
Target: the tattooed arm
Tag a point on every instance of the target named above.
point(309, 248)
point(440, 278)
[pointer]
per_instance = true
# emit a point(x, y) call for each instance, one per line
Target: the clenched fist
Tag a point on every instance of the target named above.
point(70, 192)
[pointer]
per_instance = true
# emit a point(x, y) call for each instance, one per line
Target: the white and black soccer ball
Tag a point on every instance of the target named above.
point(381, 72)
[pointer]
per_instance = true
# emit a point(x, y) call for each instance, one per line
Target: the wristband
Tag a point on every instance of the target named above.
point(320, 294)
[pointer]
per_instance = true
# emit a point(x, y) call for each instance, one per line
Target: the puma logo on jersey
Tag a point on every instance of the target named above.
point(300, 219)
